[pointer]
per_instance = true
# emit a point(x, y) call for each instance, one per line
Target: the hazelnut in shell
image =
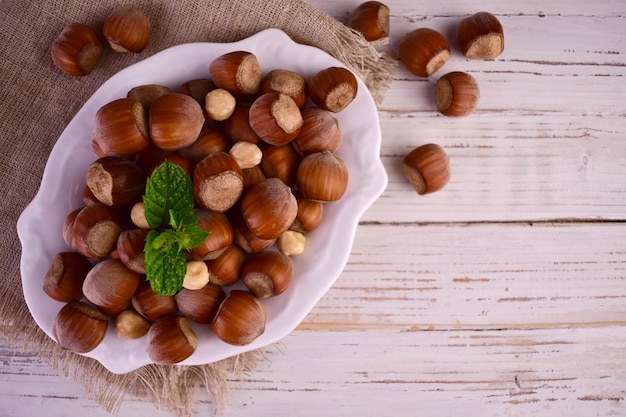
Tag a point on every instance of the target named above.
point(333, 88)
point(200, 305)
point(226, 268)
point(127, 29)
point(217, 182)
point(427, 168)
point(456, 94)
point(371, 19)
point(65, 276)
point(322, 176)
point(268, 208)
point(276, 118)
point(281, 161)
point(481, 36)
point(171, 339)
point(110, 286)
point(240, 319)
point(286, 82)
point(77, 49)
point(220, 231)
point(423, 51)
point(121, 128)
point(115, 181)
point(267, 273)
point(95, 231)
point(239, 72)
point(309, 216)
point(79, 327)
point(175, 121)
point(320, 132)
point(151, 305)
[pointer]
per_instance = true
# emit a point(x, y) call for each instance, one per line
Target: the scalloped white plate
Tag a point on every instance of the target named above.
point(328, 247)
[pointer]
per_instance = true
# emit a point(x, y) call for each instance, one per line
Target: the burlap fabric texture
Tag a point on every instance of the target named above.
point(39, 101)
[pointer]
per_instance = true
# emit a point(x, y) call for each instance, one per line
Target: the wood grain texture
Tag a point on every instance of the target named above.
point(503, 294)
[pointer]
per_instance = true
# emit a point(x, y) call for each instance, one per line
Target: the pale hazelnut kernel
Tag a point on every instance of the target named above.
point(247, 154)
point(291, 242)
point(219, 104)
point(197, 275)
point(138, 216)
point(131, 325)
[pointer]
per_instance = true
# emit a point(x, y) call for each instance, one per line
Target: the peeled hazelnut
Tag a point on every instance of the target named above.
point(121, 128)
point(238, 72)
point(220, 234)
point(481, 36)
point(219, 104)
point(130, 246)
point(209, 140)
point(127, 29)
point(115, 181)
point(226, 268)
point(79, 327)
point(291, 242)
point(268, 273)
point(151, 305)
point(309, 216)
point(171, 339)
point(131, 325)
point(145, 94)
point(281, 161)
point(95, 231)
point(247, 154)
point(333, 88)
point(138, 215)
point(237, 126)
point(286, 82)
point(202, 304)
point(197, 275)
point(320, 132)
point(217, 182)
point(456, 94)
point(175, 121)
point(240, 319)
point(371, 19)
point(427, 168)
point(275, 118)
point(77, 49)
point(110, 286)
point(322, 176)
point(64, 279)
point(423, 51)
point(268, 208)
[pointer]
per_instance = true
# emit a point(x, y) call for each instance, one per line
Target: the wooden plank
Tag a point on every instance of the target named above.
point(479, 276)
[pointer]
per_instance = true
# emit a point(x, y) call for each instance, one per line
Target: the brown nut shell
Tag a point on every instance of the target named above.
point(175, 121)
point(220, 234)
point(65, 276)
point(268, 273)
point(286, 82)
point(240, 319)
point(320, 132)
point(217, 182)
point(371, 19)
point(209, 140)
point(423, 51)
point(79, 327)
point(268, 208)
point(457, 94)
point(322, 176)
point(275, 118)
point(95, 231)
point(171, 339)
point(200, 305)
point(333, 88)
point(121, 128)
point(110, 286)
point(427, 168)
point(481, 36)
point(77, 49)
point(238, 72)
point(151, 305)
point(115, 181)
point(280, 161)
point(226, 268)
point(127, 29)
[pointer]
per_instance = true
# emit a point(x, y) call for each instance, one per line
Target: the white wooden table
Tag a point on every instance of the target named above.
point(502, 295)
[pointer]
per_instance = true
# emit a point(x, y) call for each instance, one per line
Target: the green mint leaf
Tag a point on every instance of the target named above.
point(191, 236)
point(165, 262)
point(168, 189)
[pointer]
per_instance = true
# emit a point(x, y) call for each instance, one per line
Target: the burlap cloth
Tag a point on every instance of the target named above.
point(38, 101)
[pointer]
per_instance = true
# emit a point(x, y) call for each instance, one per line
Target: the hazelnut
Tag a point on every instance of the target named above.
point(220, 234)
point(79, 327)
point(68, 228)
point(197, 89)
point(240, 319)
point(217, 182)
point(456, 94)
point(171, 339)
point(320, 132)
point(95, 231)
point(127, 29)
point(138, 215)
point(115, 181)
point(275, 118)
point(268, 273)
point(286, 82)
point(151, 305)
point(247, 154)
point(131, 325)
point(200, 305)
point(423, 51)
point(291, 242)
point(245, 238)
point(481, 36)
point(175, 121)
point(219, 104)
point(110, 286)
point(226, 268)
point(237, 126)
point(145, 94)
point(281, 161)
point(371, 19)
point(209, 140)
point(238, 72)
point(130, 249)
point(196, 276)
point(333, 88)
point(427, 168)
point(252, 176)
point(121, 128)
point(309, 216)
point(322, 176)
point(268, 208)
point(65, 276)
point(77, 49)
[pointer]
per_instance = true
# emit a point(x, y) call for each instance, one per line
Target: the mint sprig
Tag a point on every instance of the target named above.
point(169, 204)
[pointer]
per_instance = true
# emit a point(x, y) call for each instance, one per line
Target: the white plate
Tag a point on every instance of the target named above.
point(328, 248)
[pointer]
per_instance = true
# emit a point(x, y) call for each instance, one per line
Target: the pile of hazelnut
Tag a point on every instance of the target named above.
point(424, 51)
point(260, 151)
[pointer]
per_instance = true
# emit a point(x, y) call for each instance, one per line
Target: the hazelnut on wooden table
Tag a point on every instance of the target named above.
point(371, 19)
point(427, 168)
point(456, 94)
point(481, 36)
point(423, 51)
